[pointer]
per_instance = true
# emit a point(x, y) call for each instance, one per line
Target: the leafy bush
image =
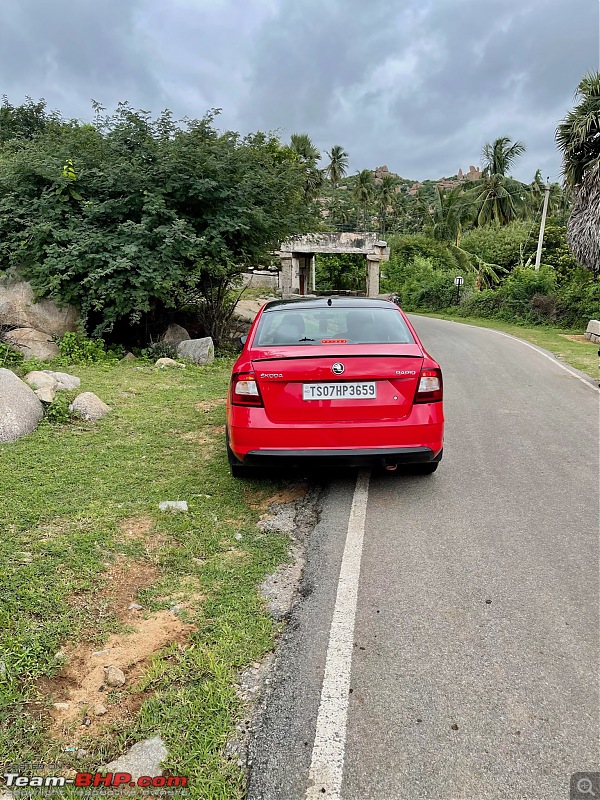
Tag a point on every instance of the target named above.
point(145, 210)
point(523, 283)
point(57, 412)
point(579, 299)
point(10, 358)
point(421, 286)
point(405, 249)
point(499, 244)
point(486, 303)
point(555, 252)
point(159, 350)
point(543, 306)
point(76, 348)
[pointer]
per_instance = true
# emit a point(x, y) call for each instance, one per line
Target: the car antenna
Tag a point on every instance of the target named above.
point(329, 301)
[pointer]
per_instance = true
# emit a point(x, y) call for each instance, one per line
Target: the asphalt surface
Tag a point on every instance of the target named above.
point(476, 642)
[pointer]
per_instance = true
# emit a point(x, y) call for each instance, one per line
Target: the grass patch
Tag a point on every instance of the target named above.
point(82, 536)
point(581, 354)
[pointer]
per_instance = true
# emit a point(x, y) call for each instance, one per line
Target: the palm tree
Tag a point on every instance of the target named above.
point(385, 198)
point(338, 164)
point(499, 198)
point(556, 198)
point(444, 221)
point(364, 190)
point(308, 154)
point(578, 136)
point(499, 156)
point(302, 145)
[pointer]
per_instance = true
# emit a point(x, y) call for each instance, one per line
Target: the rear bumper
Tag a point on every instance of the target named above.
point(374, 457)
point(255, 439)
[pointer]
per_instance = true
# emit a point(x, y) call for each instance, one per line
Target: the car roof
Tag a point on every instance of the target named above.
point(334, 301)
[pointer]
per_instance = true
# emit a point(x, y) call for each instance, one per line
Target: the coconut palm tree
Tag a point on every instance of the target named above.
point(497, 197)
point(386, 192)
point(364, 191)
point(557, 201)
point(578, 136)
point(499, 156)
point(338, 164)
point(444, 220)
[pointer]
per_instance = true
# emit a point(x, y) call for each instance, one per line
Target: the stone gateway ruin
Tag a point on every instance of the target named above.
point(298, 258)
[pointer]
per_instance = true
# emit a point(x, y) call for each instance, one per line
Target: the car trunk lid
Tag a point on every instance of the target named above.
point(387, 375)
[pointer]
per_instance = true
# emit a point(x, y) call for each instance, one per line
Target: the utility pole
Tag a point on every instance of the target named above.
point(538, 256)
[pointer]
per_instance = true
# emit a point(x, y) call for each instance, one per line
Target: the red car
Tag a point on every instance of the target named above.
point(334, 381)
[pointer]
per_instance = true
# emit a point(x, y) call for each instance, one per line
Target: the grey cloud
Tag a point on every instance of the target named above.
point(70, 52)
point(420, 85)
point(480, 70)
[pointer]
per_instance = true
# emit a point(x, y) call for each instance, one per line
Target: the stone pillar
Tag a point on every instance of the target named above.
point(295, 273)
point(372, 275)
point(286, 273)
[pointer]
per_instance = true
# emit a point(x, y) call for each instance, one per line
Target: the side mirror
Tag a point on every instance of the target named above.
point(243, 339)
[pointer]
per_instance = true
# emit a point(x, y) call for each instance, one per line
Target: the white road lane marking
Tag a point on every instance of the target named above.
point(327, 764)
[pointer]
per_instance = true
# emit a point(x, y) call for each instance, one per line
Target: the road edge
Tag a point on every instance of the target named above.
point(588, 380)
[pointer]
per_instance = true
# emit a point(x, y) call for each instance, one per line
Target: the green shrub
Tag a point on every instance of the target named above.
point(404, 250)
point(9, 357)
point(57, 412)
point(499, 244)
point(579, 300)
point(421, 286)
point(340, 271)
point(486, 303)
point(76, 348)
point(159, 350)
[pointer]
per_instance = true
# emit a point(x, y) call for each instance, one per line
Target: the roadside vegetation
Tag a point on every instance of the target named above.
point(486, 231)
point(83, 539)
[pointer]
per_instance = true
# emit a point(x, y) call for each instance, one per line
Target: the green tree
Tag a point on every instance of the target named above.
point(386, 192)
point(500, 155)
point(165, 214)
point(498, 198)
point(443, 221)
point(338, 164)
point(445, 218)
point(24, 121)
point(364, 192)
point(302, 145)
point(578, 137)
point(308, 155)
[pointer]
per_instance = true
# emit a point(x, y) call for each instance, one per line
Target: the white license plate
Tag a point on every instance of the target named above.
point(339, 391)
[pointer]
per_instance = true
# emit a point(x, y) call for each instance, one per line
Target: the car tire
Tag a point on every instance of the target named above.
point(424, 469)
point(236, 468)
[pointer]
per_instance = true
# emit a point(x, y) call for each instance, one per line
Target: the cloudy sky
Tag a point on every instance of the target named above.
point(419, 85)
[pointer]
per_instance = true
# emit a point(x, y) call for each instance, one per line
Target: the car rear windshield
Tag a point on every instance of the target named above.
point(306, 326)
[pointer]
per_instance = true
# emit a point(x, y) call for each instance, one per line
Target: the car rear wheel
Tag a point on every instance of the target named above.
point(236, 468)
point(423, 469)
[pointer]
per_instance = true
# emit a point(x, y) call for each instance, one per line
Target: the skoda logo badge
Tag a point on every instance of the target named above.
point(337, 368)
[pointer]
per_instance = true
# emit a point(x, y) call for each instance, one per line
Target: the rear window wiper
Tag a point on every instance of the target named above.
point(306, 340)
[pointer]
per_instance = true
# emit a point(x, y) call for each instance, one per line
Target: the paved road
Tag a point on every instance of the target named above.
point(475, 654)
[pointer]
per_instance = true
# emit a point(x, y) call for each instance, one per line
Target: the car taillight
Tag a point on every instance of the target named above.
point(430, 388)
point(244, 390)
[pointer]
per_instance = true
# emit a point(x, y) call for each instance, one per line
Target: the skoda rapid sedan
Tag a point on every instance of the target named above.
point(334, 381)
